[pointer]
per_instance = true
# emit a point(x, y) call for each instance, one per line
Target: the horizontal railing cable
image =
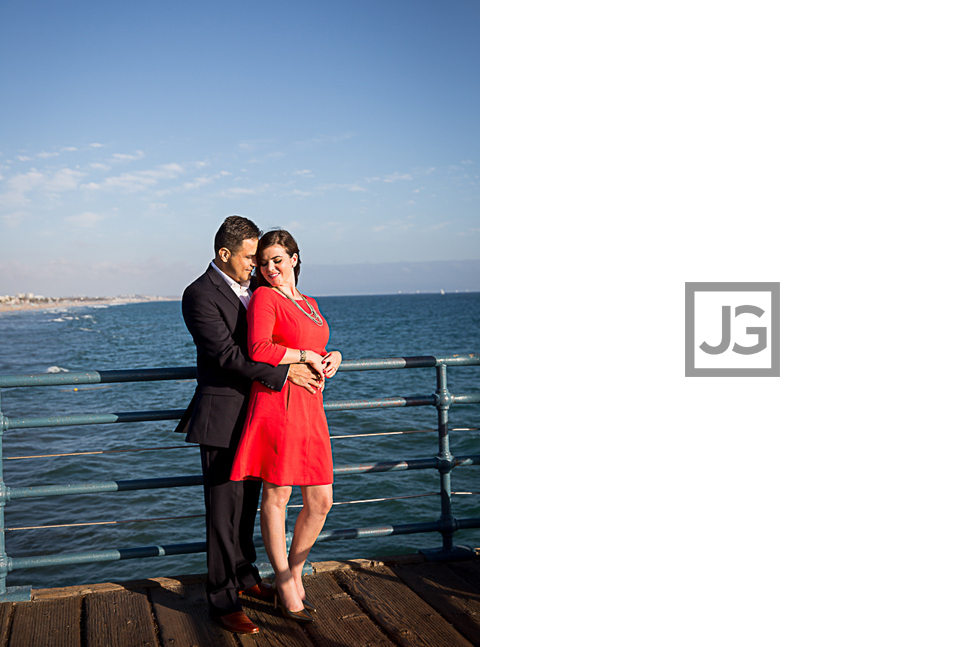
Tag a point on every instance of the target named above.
point(397, 433)
point(103, 523)
point(176, 414)
point(63, 559)
point(196, 479)
point(191, 446)
point(103, 451)
point(295, 506)
point(189, 372)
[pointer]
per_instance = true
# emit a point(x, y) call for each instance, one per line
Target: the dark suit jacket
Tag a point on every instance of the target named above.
point(217, 321)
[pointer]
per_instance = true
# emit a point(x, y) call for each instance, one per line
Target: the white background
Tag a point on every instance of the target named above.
point(630, 147)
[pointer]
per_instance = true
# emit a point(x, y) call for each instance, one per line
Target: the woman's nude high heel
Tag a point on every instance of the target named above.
point(300, 616)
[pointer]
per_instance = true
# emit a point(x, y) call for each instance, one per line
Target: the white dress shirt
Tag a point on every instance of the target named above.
point(241, 289)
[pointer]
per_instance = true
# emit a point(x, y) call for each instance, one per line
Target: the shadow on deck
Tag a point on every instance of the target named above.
point(403, 601)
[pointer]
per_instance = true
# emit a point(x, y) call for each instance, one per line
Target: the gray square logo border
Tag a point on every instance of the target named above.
point(690, 349)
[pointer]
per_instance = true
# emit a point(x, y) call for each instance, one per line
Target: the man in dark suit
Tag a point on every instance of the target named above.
point(214, 311)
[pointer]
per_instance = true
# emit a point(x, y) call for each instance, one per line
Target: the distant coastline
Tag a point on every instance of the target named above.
point(22, 302)
point(33, 302)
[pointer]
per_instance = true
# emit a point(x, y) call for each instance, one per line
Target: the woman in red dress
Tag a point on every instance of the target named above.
point(285, 440)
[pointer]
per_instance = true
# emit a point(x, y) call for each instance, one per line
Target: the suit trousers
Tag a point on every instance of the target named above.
point(230, 516)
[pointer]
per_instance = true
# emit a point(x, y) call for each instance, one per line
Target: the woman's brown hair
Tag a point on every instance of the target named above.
point(285, 240)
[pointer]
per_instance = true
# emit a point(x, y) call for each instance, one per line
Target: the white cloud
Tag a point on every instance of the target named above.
point(25, 182)
point(197, 182)
point(20, 187)
point(64, 180)
point(266, 158)
point(348, 187)
point(237, 191)
point(13, 219)
point(304, 173)
point(97, 145)
point(138, 180)
point(23, 158)
point(316, 141)
point(202, 180)
point(87, 219)
point(129, 158)
point(391, 177)
point(396, 225)
point(254, 144)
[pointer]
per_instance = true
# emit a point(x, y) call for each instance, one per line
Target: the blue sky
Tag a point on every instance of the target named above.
point(130, 130)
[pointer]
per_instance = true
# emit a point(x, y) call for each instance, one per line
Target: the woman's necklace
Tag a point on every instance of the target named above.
point(313, 316)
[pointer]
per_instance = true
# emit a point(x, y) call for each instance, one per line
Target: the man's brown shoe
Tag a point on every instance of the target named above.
point(261, 591)
point(238, 623)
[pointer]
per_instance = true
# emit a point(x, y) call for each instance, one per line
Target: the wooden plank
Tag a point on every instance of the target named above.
point(182, 612)
point(74, 591)
point(450, 595)
point(50, 623)
point(338, 621)
point(119, 619)
point(408, 619)
point(469, 570)
point(86, 589)
point(6, 621)
point(274, 629)
point(409, 558)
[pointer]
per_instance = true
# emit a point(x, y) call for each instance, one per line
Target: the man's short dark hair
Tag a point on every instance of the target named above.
point(234, 230)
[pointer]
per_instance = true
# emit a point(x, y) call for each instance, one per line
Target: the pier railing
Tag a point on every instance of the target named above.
point(444, 461)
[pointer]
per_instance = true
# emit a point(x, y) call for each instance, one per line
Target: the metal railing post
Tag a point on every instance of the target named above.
point(13, 593)
point(443, 400)
point(3, 502)
point(446, 463)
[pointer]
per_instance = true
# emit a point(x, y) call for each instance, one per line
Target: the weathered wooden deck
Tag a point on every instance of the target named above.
point(404, 601)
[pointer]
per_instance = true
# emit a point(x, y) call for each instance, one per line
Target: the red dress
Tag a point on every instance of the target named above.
point(285, 440)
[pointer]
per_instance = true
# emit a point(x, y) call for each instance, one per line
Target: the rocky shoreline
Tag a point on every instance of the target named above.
point(18, 305)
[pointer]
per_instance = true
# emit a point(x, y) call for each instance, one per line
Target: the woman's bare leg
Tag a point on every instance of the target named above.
point(272, 523)
point(317, 500)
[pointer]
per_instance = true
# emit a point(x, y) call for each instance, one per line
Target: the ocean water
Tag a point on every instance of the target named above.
point(146, 335)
